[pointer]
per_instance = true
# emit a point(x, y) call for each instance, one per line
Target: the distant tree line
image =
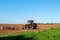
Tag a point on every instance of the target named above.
point(48, 23)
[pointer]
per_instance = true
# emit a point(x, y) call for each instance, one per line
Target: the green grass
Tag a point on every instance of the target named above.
point(51, 34)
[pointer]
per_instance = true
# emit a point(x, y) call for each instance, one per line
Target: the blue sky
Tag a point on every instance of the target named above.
point(19, 11)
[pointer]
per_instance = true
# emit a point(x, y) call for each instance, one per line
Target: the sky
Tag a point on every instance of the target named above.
point(19, 11)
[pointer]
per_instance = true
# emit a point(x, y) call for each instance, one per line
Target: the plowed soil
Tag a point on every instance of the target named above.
point(19, 27)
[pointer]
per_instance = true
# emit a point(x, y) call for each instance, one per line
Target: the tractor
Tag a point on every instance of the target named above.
point(30, 25)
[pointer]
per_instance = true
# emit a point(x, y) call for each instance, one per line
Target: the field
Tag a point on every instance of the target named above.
point(43, 32)
point(50, 34)
point(40, 27)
